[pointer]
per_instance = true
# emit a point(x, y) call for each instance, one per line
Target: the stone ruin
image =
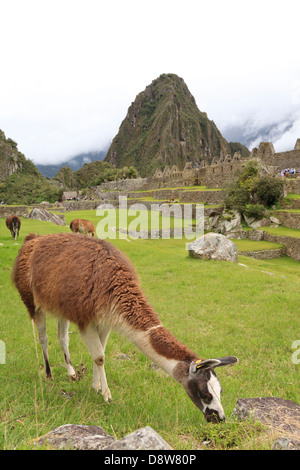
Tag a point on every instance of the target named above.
point(223, 169)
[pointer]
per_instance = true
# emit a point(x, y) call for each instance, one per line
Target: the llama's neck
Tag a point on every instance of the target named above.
point(160, 346)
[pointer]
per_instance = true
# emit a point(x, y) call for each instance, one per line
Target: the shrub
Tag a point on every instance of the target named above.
point(267, 190)
point(249, 193)
point(237, 198)
point(256, 211)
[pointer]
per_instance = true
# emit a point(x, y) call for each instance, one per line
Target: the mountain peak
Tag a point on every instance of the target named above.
point(164, 126)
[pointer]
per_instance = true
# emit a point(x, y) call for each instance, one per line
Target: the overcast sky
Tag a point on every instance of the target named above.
point(70, 69)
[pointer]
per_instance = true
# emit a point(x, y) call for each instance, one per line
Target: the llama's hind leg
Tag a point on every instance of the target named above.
point(39, 319)
point(63, 337)
point(92, 340)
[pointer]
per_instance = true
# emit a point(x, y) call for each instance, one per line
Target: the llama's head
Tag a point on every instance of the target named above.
point(204, 388)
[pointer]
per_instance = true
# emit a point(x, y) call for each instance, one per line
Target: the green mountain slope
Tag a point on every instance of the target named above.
point(20, 180)
point(163, 127)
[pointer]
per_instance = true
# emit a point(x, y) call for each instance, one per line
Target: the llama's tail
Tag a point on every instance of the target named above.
point(15, 223)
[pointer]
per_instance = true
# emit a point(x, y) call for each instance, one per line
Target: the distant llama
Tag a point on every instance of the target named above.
point(83, 226)
point(13, 223)
point(89, 282)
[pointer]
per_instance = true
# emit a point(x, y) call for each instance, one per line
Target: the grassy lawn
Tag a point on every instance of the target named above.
point(215, 308)
point(183, 188)
point(292, 196)
point(140, 220)
point(251, 245)
point(296, 211)
point(281, 231)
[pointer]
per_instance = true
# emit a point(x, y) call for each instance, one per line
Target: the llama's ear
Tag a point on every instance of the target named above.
point(196, 366)
point(227, 361)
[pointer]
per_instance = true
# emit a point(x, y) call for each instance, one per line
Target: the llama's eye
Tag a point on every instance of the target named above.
point(204, 396)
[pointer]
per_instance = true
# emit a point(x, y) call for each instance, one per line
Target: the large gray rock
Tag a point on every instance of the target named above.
point(76, 436)
point(214, 246)
point(142, 439)
point(79, 437)
point(46, 216)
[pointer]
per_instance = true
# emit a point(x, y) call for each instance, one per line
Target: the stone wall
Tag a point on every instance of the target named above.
point(21, 211)
point(123, 185)
point(80, 205)
point(206, 197)
point(216, 176)
point(292, 245)
point(289, 219)
point(166, 194)
point(265, 254)
point(292, 185)
point(282, 160)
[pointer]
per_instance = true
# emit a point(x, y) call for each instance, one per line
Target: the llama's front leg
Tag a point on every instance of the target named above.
point(103, 335)
point(39, 319)
point(63, 337)
point(92, 340)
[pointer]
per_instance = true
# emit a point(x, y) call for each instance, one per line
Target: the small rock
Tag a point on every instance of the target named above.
point(286, 443)
point(274, 220)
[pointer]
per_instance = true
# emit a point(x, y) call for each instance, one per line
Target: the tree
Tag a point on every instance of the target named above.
point(251, 194)
point(268, 190)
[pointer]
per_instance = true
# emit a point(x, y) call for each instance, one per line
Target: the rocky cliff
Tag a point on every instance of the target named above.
point(12, 161)
point(163, 127)
point(20, 180)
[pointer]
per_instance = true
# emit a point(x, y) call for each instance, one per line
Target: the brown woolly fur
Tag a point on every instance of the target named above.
point(81, 279)
point(13, 223)
point(21, 273)
point(164, 342)
point(83, 226)
point(89, 282)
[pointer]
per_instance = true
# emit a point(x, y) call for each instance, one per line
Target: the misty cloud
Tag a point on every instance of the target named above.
point(72, 69)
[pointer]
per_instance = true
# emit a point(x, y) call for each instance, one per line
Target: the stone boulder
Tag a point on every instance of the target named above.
point(141, 439)
point(46, 216)
point(225, 223)
point(254, 223)
point(79, 437)
point(214, 246)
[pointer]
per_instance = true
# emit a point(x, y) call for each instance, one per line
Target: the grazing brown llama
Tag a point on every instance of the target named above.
point(13, 223)
point(83, 226)
point(89, 282)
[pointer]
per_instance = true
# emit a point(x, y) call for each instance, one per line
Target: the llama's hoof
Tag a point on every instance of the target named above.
point(107, 395)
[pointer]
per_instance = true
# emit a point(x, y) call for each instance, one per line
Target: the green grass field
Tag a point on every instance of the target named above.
point(216, 308)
